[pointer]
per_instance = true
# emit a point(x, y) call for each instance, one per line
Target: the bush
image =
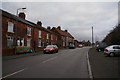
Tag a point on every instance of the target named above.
point(22, 49)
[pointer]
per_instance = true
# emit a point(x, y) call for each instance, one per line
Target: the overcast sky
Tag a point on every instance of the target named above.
point(76, 17)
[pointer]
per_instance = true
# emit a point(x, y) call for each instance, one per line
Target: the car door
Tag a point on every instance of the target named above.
point(119, 49)
point(115, 49)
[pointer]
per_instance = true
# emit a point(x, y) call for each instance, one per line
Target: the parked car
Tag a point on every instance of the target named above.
point(112, 50)
point(80, 46)
point(71, 46)
point(51, 49)
point(101, 47)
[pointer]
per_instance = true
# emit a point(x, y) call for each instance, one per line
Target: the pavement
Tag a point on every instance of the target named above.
point(104, 68)
point(23, 55)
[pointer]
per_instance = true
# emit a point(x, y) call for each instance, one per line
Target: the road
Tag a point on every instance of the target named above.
point(68, 63)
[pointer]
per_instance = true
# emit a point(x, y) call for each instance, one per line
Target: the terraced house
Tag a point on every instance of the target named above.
point(17, 31)
point(20, 35)
point(65, 38)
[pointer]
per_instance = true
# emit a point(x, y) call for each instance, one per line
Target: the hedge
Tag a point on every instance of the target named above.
point(22, 49)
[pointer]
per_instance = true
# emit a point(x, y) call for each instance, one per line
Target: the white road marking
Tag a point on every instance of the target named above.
point(13, 73)
point(89, 67)
point(49, 59)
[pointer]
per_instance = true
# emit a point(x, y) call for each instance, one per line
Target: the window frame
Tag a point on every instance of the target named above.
point(10, 27)
point(29, 30)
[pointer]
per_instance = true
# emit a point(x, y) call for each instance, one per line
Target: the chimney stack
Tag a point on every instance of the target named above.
point(39, 23)
point(66, 30)
point(59, 27)
point(49, 28)
point(22, 15)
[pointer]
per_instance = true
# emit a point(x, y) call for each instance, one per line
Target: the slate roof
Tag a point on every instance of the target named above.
point(63, 33)
point(14, 17)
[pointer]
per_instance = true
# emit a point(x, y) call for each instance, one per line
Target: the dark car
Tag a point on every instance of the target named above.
point(71, 46)
point(101, 47)
point(51, 49)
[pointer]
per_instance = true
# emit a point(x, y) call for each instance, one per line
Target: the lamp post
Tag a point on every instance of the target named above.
point(19, 9)
point(92, 37)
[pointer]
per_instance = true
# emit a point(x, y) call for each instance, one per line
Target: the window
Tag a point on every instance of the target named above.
point(10, 27)
point(39, 43)
point(47, 36)
point(10, 41)
point(28, 42)
point(39, 34)
point(20, 41)
point(28, 31)
point(116, 47)
point(63, 43)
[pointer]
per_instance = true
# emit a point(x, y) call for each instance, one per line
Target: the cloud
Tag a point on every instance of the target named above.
point(77, 17)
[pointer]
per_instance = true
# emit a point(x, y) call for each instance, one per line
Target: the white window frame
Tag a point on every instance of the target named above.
point(29, 31)
point(39, 43)
point(22, 41)
point(10, 39)
point(47, 36)
point(29, 40)
point(18, 41)
point(63, 43)
point(39, 34)
point(11, 27)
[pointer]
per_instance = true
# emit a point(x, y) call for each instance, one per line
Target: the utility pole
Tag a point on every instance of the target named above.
point(92, 37)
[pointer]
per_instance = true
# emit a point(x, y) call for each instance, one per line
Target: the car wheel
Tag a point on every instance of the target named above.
point(106, 55)
point(57, 51)
point(112, 54)
point(44, 52)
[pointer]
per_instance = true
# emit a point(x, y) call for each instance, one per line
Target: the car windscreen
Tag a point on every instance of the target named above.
point(49, 47)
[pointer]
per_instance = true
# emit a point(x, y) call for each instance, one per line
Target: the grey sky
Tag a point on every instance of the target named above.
point(76, 17)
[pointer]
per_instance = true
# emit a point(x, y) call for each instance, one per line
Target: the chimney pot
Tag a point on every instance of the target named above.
point(48, 27)
point(66, 30)
point(39, 23)
point(59, 27)
point(22, 15)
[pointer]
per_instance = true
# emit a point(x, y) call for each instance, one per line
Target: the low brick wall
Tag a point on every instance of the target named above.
point(8, 51)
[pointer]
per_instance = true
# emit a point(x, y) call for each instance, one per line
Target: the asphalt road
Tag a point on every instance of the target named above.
point(104, 67)
point(69, 63)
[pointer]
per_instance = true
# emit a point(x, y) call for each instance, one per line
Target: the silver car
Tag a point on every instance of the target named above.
point(112, 50)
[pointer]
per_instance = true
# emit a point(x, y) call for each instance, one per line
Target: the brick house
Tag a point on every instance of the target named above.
point(17, 31)
point(76, 43)
point(64, 37)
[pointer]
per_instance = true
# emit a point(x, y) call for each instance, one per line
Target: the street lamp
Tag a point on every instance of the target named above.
point(92, 37)
point(19, 9)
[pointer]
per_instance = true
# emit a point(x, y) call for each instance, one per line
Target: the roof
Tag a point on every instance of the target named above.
point(14, 17)
point(63, 33)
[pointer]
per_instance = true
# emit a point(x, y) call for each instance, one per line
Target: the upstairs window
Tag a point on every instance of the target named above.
point(39, 34)
point(39, 43)
point(47, 36)
point(10, 27)
point(28, 31)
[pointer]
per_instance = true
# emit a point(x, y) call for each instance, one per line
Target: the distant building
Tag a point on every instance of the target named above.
point(64, 38)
